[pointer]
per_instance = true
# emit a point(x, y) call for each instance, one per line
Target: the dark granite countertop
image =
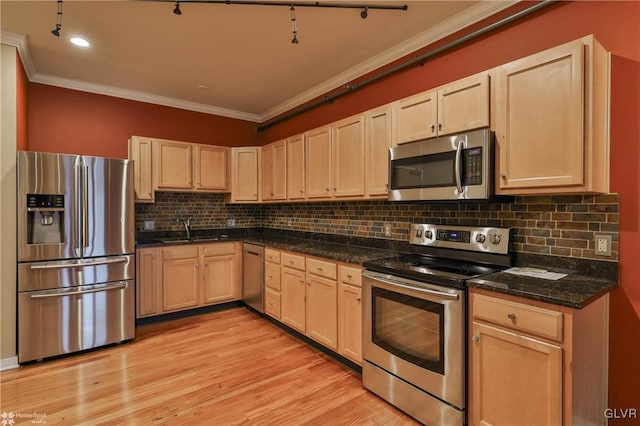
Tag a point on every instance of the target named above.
point(586, 280)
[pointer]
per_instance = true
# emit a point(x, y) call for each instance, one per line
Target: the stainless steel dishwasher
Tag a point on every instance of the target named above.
point(253, 276)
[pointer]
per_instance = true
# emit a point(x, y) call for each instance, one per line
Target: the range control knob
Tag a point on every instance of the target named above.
point(428, 234)
point(480, 238)
point(495, 238)
point(419, 233)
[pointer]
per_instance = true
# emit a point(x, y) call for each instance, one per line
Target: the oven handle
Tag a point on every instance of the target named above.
point(409, 287)
point(459, 167)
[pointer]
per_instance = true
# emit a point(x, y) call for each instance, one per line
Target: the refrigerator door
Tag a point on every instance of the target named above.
point(48, 203)
point(108, 209)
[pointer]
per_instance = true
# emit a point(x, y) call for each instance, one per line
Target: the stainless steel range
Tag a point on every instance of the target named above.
point(415, 316)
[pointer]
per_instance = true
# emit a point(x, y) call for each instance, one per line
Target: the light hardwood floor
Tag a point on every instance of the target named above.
point(222, 368)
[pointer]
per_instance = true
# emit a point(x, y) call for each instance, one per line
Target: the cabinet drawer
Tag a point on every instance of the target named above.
point(350, 275)
point(518, 316)
point(272, 303)
point(272, 275)
point(321, 268)
point(272, 255)
point(293, 261)
point(180, 252)
point(216, 249)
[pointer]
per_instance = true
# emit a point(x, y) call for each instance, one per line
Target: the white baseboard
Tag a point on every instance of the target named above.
point(9, 363)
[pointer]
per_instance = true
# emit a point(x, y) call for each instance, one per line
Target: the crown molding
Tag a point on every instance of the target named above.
point(20, 42)
point(482, 10)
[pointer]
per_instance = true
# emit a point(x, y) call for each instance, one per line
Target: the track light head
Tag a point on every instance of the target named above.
point(56, 30)
point(176, 10)
point(364, 13)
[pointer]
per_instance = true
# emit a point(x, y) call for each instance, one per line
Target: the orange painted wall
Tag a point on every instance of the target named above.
point(615, 25)
point(22, 105)
point(74, 122)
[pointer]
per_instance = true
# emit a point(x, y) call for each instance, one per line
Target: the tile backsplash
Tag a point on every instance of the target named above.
point(551, 225)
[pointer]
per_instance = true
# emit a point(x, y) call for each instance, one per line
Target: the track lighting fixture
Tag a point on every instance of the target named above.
point(58, 29)
point(364, 12)
point(176, 10)
point(294, 26)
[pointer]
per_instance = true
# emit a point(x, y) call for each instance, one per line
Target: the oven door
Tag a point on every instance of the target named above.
point(416, 331)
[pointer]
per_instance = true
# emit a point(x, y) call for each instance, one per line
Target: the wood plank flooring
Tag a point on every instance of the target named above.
point(222, 368)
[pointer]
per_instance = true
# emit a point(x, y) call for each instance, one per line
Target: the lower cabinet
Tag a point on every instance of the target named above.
point(317, 297)
point(174, 278)
point(536, 364)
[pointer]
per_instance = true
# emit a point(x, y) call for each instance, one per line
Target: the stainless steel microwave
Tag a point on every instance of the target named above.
point(455, 167)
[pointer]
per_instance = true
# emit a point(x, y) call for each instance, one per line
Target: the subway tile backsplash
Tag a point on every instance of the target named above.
point(550, 225)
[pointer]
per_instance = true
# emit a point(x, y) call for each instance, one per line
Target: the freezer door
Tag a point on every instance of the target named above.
point(48, 203)
point(61, 321)
point(108, 209)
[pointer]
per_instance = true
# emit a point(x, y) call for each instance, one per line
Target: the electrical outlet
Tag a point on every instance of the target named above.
point(149, 225)
point(387, 230)
point(603, 245)
point(231, 222)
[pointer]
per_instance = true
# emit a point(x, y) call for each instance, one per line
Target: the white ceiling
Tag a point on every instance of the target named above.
point(243, 54)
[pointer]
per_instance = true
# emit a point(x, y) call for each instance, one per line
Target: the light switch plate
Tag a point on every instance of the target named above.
point(231, 222)
point(149, 225)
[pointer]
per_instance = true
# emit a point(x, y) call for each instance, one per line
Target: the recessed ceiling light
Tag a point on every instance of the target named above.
point(79, 41)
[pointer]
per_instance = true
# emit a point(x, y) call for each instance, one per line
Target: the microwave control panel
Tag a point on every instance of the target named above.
point(472, 166)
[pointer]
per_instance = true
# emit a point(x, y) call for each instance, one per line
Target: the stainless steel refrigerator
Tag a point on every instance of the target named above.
point(76, 253)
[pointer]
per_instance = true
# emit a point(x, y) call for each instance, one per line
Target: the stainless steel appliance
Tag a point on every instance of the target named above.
point(76, 245)
point(414, 319)
point(456, 167)
point(253, 276)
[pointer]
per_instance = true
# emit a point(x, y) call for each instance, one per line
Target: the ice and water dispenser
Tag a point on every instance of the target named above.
point(45, 218)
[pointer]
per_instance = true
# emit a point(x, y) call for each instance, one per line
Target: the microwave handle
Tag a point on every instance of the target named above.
point(458, 166)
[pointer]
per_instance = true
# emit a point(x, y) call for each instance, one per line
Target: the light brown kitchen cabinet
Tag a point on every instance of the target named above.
point(296, 167)
point(173, 165)
point(220, 275)
point(272, 278)
point(180, 277)
point(318, 167)
point(148, 282)
point(350, 312)
point(551, 121)
point(536, 364)
point(293, 291)
point(455, 107)
point(348, 157)
point(377, 144)
point(211, 168)
point(140, 152)
point(322, 302)
point(245, 180)
point(274, 171)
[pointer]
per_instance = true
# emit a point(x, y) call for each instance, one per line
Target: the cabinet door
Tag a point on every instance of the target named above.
point(180, 277)
point(515, 380)
point(415, 118)
point(350, 322)
point(272, 303)
point(148, 282)
point(211, 168)
point(268, 170)
point(295, 167)
point(292, 298)
point(464, 105)
point(140, 153)
point(539, 119)
point(244, 185)
point(272, 275)
point(172, 164)
point(377, 144)
point(348, 157)
point(322, 310)
point(219, 279)
point(318, 163)
point(280, 170)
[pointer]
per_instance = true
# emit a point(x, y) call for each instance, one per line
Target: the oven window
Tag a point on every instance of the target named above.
point(410, 328)
point(426, 171)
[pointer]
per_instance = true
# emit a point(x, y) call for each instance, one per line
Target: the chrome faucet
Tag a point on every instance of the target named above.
point(187, 225)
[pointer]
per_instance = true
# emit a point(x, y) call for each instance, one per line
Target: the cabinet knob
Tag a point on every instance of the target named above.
point(291, 262)
point(271, 193)
point(319, 269)
point(358, 299)
point(197, 266)
point(270, 276)
point(475, 338)
point(327, 189)
point(511, 316)
point(301, 191)
point(349, 276)
point(439, 126)
point(302, 281)
point(503, 176)
point(433, 127)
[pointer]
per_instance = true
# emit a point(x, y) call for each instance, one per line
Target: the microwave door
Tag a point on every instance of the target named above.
point(47, 207)
point(108, 212)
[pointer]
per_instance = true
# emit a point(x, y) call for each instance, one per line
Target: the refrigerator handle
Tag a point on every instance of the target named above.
point(85, 204)
point(77, 246)
point(48, 293)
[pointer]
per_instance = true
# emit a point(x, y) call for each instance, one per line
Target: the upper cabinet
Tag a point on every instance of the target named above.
point(274, 171)
point(295, 167)
point(551, 121)
point(377, 144)
point(245, 177)
point(318, 163)
point(456, 107)
point(161, 164)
